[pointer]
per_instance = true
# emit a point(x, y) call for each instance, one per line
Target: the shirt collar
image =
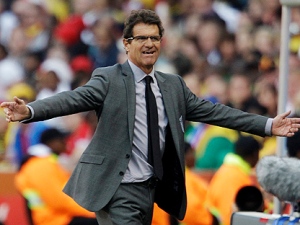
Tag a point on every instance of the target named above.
point(138, 73)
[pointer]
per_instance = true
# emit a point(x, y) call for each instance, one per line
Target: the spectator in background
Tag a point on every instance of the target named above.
point(249, 198)
point(293, 146)
point(40, 180)
point(267, 95)
point(265, 39)
point(229, 55)
point(31, 62)
point(103, 50)
point(235, 173)
point(33, 31)
point(240, 95)
point(3, 130)
point(54, 76)
point(293, 91)
point(11, 72)
point(8, 21)
point(82, 67)
point(21, 136)
point(208, 39)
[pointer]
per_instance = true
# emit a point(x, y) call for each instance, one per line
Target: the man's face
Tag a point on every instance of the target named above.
point(143, 53)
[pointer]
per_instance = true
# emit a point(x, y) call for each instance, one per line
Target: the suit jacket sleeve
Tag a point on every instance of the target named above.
point(88, 97)
point(201, 110)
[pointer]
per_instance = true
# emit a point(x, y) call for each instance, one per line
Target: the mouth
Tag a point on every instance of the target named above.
point(148, 52)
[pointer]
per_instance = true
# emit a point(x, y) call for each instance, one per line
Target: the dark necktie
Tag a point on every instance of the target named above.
point(154, 154)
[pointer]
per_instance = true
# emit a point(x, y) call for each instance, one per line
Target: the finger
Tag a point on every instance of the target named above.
point(293, 130)
point(285, 114)
point(296, 125)
point(5, 110)
point(8, 118)
point(4, 104)
point(295, 120)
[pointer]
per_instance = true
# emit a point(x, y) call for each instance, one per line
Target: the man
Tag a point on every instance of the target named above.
point(234, 174)
point(293, 146)
point(113, 176)
point(40, 180)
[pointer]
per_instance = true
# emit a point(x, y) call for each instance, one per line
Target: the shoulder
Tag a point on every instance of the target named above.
point(170, 78)
point(107, 70)
point(168, 75)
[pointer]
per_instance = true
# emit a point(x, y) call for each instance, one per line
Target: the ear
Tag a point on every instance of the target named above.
point(126, 45)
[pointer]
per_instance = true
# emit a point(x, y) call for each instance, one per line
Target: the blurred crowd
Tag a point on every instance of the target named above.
point(227, 51)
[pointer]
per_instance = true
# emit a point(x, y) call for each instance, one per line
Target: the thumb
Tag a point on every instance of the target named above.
point(285, 114)
point(18, 100)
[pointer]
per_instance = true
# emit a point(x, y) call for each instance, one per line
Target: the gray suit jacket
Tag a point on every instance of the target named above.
point(111, 93)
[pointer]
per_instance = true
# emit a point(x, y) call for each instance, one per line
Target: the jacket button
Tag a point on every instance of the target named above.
point(121, 173)
point(127, 156)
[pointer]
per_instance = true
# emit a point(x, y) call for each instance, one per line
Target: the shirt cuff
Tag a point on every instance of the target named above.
point(32, 114)
point(268, 128)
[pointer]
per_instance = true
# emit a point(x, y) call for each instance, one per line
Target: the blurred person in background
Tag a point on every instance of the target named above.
point(235, 173)
point(293, 83)
point(208, 39)
point(229, 55)
point(293, 146)
point(82, 67)
point(33, 32)
point(240, 94)
point(103, 51)
point(75, 32)
point(11, 72)
point(8, 21)
point(267, 95)
point(265, 40)
point(3, 130)
point(31, 63)
point(20, 136)
point(40, 180)
point(249, 198)
point(54, 75)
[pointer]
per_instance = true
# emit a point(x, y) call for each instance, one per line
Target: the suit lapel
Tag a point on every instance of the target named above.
point(128, 79)
point(171, 109)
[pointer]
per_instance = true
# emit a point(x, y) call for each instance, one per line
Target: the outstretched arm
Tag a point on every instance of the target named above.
point(284, 126)
point(16, 110)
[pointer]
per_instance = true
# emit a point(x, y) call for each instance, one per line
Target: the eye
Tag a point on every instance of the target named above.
point(155, 38)
point(141, 38)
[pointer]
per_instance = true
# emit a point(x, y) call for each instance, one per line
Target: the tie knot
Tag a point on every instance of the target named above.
point(148, 79)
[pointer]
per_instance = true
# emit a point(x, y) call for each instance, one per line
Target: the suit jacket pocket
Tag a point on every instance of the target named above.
point(90, 158)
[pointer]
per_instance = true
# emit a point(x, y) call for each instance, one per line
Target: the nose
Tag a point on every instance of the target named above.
point(149, 42)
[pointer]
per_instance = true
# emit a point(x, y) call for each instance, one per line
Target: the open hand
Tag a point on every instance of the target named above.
point(284, 126)
point(16, 110)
